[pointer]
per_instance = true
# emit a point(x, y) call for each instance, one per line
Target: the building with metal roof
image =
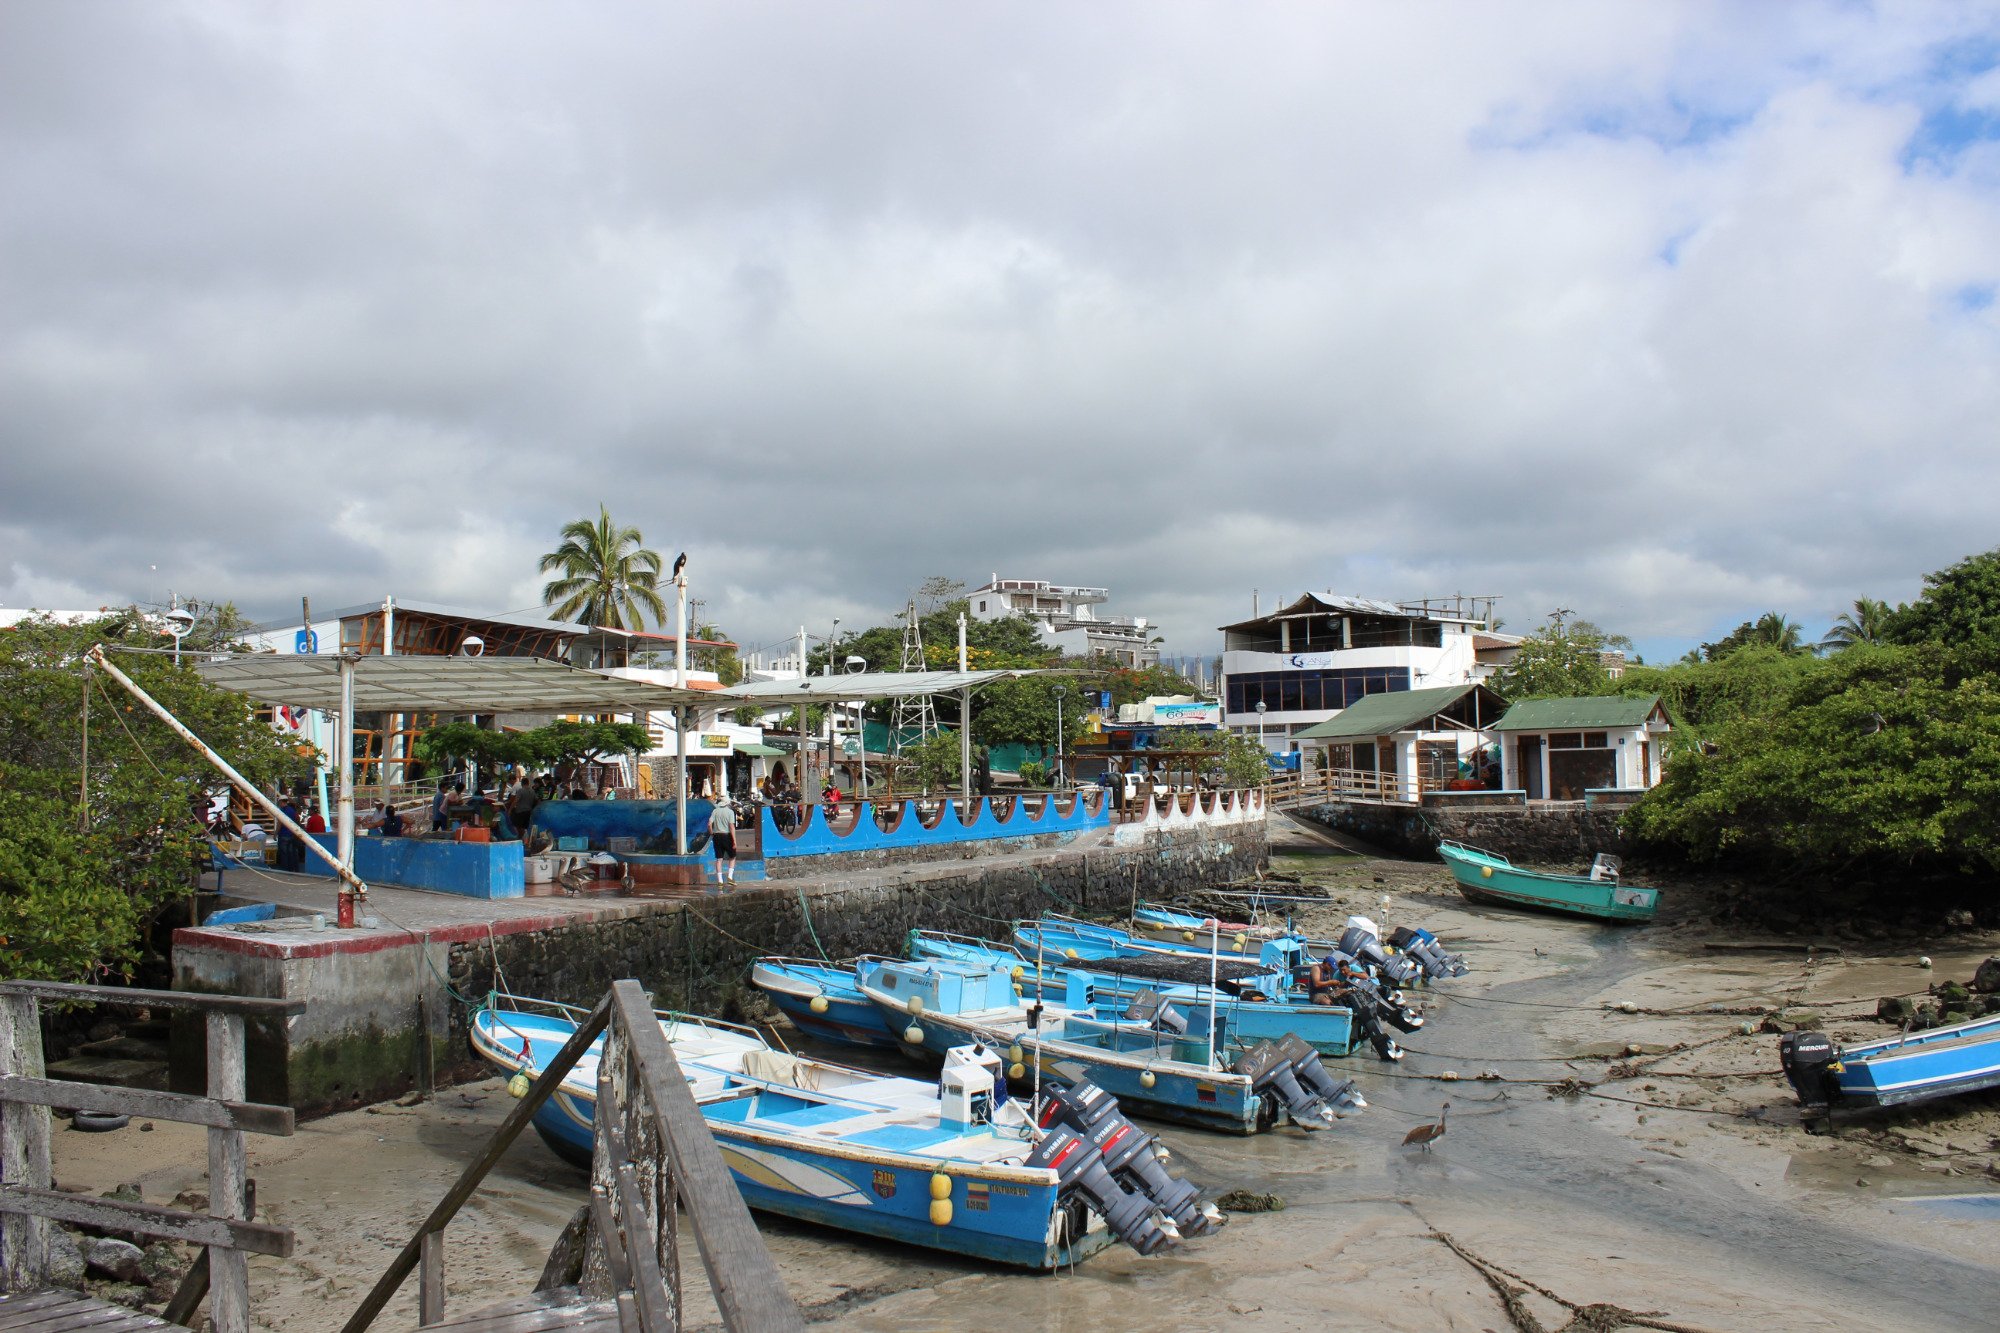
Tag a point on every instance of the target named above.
point(1563, 749)
point(1410, 741)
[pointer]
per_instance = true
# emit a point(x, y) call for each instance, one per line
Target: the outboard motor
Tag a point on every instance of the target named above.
point(1274, 1073)
point(1078, 1165)
point(1810, 1061)
point(1150, 1008)
point(1129, 1153)
point(1425, 948)
point(1340, 1093)
point(1361, 940)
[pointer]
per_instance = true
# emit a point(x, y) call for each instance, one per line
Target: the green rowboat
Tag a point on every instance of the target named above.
point(1491, 878)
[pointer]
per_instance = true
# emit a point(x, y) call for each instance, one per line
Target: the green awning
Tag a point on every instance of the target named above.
point(753, 748)
point(1593, 712)
point(1390, 712)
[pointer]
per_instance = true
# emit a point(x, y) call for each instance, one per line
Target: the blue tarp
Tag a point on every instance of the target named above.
point(650, 824)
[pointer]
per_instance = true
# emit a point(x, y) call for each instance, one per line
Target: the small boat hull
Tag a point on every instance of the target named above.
point(843, 1015)
point(1486, 877)
point(1941, 1062)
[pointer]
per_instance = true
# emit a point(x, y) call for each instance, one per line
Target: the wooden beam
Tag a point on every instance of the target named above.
point(250, 1006)
point(228, 1266)
point(24, 1147)
point(146, 1219)
point(496, 1147)
point(250, 1117)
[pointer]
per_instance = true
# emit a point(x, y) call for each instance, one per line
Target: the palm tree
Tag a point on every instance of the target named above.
point(607, 577)
point(1775, 630)
point(1868, 622)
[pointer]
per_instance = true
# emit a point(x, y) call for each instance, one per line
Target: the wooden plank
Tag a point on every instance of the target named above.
point(249, 1006)
point(597, 1317)
point(24, 1147)
point(228, 1268)
point(747, 1287)
point(194, 1286)
point(614, 1248)
point(468, 1180)
point(146, 1219)
point(649, 1284)
point(59, 1311)
point(251, 1117)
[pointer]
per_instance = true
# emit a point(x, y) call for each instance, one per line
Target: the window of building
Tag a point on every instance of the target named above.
point(1579, 740)
point(1310, 691)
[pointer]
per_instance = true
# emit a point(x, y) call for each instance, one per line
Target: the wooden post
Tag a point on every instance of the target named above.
point(24, 1147)
point(430, 1279)
point(229, 1269)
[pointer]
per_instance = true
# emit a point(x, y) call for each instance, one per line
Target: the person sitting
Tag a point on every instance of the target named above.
point(315, 822)
point(1322, 981)
point(446, 800)
point(391, 822)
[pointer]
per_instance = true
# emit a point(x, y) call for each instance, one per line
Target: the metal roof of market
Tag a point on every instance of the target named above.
point(435, 684)
point(1606, 711)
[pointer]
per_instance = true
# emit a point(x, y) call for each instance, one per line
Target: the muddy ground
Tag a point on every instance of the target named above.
point(1673, 1182)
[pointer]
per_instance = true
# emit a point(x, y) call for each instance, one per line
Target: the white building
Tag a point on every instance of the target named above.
point(1562, 749)
point(1068, 619)
point(1307, 661)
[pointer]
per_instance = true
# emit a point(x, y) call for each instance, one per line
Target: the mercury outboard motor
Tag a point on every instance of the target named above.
point(1150, 1008)
point(1388, 1005)
point(1130, 1153)
point(1360, 940)
point(1810, 1060)
point(1425, 948)
point(1078, 1165)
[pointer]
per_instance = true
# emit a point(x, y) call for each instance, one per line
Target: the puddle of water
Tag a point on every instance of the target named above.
point(1979, 1207)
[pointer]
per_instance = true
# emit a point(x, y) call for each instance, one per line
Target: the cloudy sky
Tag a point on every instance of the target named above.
point(1670, 314)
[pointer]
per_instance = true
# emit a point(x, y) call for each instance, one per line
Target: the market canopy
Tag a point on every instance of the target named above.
point(1440, 708)
point(431, 684)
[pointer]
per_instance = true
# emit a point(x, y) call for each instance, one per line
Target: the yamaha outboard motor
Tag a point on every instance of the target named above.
point(1424, 947)
point(1078, 1165)
point(1360, 940)
point(1340, 1093)
point(1388, 1005)
point(1289, 1070)
point(1810, 1060)
point(1129, 1153)
point(1150, 1008)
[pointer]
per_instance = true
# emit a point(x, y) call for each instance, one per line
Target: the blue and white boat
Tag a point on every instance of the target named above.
point(1424, 957)
point(1158, 1060)
point(1258, 1005)
point(823, 1000)
point(1915, 1067)
point(950, 1164)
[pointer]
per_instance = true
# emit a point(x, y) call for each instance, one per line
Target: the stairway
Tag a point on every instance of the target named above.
point(135, 1058)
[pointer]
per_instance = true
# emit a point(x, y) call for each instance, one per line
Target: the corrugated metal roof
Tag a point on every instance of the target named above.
point(1576, 714)
point(1385, 714)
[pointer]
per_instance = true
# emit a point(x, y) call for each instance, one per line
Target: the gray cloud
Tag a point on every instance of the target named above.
point(1672, 316)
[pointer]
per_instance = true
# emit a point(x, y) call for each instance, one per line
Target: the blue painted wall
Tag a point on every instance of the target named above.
point(816, 839)
point(474, 869)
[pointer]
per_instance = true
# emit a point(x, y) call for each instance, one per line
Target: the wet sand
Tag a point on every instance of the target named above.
point(1710, 1207)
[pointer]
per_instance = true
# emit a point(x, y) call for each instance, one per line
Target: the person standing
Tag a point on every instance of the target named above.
point(722, 833)
point(291, 852)
point(521, 802)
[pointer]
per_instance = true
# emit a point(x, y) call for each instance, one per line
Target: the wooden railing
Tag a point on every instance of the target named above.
point(28, 1203)
point(1347, 784)
point(653, 1155)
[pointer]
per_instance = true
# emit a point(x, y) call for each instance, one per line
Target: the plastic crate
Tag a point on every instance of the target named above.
point(572, 844)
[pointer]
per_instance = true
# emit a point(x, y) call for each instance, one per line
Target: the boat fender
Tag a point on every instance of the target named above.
point(940, 1212)
point(1018, 972)
point(818, 1004)
point(1187, 937)
point(940, 1185)
point(1239, 939)
point(1017, 1070)
point(1018, 992)
point(1147, 1079)
point(518, 1085)
point(1070, 954)
point(915, 1004)
point(1486, 872)
point(913, 1035)
point(1014, 1053)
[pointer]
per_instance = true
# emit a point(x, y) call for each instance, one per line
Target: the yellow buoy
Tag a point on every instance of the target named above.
point(518, 1085)
point(818, 1004)
point(1017, 992)
point(1014, 1053)
point(1239, 939)
point(940, 1212)
point(940, 1185)
point(913, 1035)
point(1070, 954)
point(1017, 1070)
point(1486, 872)
point(1018, 972)
point(1187, 937)
point(915, 1004)
point(1146, 1079)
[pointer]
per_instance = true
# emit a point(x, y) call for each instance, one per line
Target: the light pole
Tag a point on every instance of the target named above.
point(1260, 727)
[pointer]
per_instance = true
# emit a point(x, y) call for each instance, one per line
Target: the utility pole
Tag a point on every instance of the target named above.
point(964, 721)
point(681, 713)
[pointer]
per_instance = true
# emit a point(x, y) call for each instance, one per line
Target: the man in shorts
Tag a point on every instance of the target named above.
point(722, 833)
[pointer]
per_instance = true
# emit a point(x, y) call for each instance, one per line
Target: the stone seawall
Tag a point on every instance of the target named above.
point(1542, 835)
point(697, 956)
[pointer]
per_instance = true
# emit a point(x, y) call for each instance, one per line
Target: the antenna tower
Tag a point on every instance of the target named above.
point(913, 712)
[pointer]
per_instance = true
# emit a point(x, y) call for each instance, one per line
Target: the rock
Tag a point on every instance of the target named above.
point(127, 1193)
point(193, 1201)
point(1960, 919)
point(115, 1258)
point(104, 1030)
point(162, 1260)
point(1987, 978)
point(1954, 1018)
point(1245, 1201)
point(410, 1099)
point(1895, 1009)
point(1951, 995)
point(128, 1294)
point(66, 1266)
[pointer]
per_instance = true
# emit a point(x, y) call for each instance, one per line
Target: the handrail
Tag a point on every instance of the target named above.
point(29, 1202)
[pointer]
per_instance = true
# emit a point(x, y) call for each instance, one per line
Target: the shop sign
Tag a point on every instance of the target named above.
point(710, 741)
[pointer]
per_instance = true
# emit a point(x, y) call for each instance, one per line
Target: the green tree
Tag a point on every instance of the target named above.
point(89, 858)
point(1558, 661)
point(724, 662)
point(1868, 622)
point(606, 575)
point(934, 762)
point(1027, 711)
point(542, 748)
point(1959, 605)
point(1238, 761)
point(1770, 630)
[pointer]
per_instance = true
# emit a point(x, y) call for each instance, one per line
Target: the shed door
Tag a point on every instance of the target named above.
point(1573, 771)
point(1531, 767)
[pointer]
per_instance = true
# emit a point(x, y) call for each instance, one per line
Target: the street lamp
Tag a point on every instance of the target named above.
point(1260, 725)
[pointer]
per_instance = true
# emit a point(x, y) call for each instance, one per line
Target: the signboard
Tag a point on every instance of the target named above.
point(710, 741)
point(1192, 714)
point(1310, 661)
point(305, 641)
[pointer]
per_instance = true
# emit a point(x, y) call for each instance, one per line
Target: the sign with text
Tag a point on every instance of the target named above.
point(305, 641)
point(710, 741)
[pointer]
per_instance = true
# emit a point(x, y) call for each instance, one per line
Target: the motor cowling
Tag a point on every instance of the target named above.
point(1426, 949)
point(1080, 1167)
point(1362, 944)
point(1312, 1073)
point(1129, 1153)
point(1810, 1061)
point(1273, 1073)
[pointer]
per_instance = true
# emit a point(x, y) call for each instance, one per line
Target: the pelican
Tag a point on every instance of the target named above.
point(1428, 1134)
